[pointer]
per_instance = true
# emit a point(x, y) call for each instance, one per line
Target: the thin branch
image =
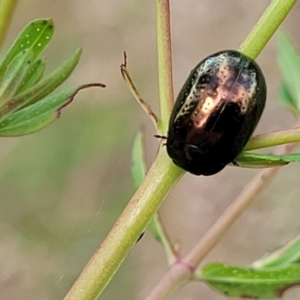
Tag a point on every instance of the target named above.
point(145, 106)
point(164, 53)
point(266, 27)
point(275, 138)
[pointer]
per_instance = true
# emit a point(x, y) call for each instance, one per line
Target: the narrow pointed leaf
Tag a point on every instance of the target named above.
point(36, 116)
point(43, 88)
point(35, 36)
point(14, 75)
point(250, 283)
point(286, 255)
point(138, 162)
point(138, 174)
point(254, 160)
point(289, 64)
point(144, 105)
point(294, 157)
point(286, 100)
point(33, 75)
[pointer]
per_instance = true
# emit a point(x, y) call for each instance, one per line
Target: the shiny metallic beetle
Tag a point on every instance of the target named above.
point(216, 112)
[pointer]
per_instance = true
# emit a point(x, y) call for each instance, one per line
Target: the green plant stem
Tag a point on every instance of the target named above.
point(165, 78)
point(7, 8)
point(161, 177)
point(275, 138)
point(104, 263)
point(266, 27)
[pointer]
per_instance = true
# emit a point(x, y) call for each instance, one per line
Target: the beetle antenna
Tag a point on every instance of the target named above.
point(160, 136)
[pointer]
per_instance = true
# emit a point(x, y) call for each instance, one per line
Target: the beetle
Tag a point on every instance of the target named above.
point(216, 112)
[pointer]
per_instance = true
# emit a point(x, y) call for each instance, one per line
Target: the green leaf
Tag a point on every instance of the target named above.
point(35, 36)
point(156, 229)
point(255, 160)
point(138, 163)
point(286, 255)
point(286, 100)
point(25, 104)
point(33, 75)
point(250, 283)
point(155, 226)
point(289, 64)
point(138, 175)
point(294, 157)
point(36, 116)
point(43, 88)
point(159, 233)
point(14, 75)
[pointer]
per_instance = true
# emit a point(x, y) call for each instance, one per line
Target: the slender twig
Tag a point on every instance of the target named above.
point(275, 138)
point(165, 77)
point(145, 106)
point(266, 26)
point(7, 8)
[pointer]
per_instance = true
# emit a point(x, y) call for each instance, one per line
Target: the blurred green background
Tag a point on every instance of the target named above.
point(63, 188)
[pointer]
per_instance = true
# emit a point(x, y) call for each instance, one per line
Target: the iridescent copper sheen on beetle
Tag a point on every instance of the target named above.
point(216, 112)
